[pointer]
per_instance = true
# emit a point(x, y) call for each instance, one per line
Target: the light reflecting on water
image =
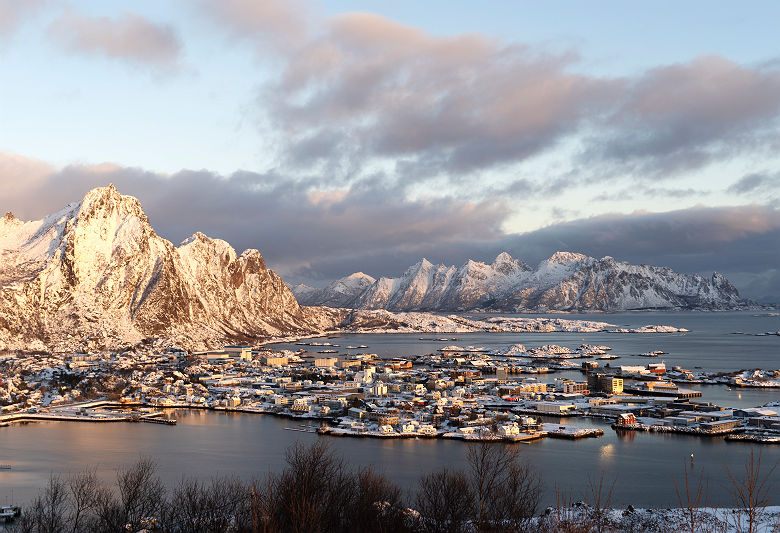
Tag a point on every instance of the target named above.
point(607, 453)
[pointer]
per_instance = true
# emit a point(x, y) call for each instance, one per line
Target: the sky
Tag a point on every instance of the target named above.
point(342, 136)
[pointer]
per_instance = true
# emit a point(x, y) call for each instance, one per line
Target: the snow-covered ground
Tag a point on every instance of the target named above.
point(382, 321)
point(704, 519)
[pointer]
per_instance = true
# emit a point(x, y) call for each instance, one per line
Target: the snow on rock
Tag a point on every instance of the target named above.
point(517, 349)
point(452, 348)
point(551, 349)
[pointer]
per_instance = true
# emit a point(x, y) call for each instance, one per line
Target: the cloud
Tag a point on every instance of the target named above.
point(19, 175)
point(435, 104)
point(683, 116)
point(358, 93)
point(760, 183)
point(13, 13)
point(362, 91)
point(129, 38)
point(640, 191)
point(763, 286)
point(277, 24)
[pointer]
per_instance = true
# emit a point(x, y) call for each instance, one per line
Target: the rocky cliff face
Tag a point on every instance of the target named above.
point(97, 275)
point(564, 282)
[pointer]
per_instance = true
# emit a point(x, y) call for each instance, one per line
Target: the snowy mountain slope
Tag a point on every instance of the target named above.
point(96, 274)
point(564, 282)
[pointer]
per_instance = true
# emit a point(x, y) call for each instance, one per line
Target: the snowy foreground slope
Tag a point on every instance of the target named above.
point(96, 275)
point(564, 282)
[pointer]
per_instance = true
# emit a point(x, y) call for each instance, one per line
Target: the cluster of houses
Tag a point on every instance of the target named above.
point(360, 394)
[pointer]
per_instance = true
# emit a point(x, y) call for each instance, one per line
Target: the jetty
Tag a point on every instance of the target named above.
point(101, 411)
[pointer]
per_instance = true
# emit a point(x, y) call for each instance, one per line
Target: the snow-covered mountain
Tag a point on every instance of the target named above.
point(340, 293)
point(96, 274)
point(564, 282)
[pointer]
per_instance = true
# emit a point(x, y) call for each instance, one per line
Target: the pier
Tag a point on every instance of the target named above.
point(84, 412)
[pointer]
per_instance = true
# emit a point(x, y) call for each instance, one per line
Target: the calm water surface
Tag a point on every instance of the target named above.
point(206, 444)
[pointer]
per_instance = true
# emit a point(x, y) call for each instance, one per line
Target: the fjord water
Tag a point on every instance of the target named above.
point(206, 444)
point(711, 344)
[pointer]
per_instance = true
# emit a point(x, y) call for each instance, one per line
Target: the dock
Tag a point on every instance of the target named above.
point(82, 413)
point(9, 513)
point(679, 393)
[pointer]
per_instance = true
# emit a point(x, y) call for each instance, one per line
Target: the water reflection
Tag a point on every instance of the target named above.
point(607, 453)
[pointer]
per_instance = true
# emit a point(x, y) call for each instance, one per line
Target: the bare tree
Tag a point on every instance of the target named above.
point(48, 512)
point(309, 494)
point(445, 501)
point(506, 488)
point(220, 506)
point(690, 500)
point(751, 493)
point(376, 504)
point(138, 501)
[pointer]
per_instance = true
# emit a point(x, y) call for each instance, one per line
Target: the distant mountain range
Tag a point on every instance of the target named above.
point(96, 275)
point(564, 282)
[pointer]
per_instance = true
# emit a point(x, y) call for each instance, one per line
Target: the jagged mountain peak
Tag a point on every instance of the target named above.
point(566, 258)
point(506, 264)
point(104, 201)
point(360, 275)
point(503, 257)
point(422, 264)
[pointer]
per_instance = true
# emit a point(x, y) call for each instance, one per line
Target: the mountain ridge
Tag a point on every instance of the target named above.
point(566, 281)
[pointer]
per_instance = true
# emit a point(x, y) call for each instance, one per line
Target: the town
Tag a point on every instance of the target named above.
point(469, 393)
